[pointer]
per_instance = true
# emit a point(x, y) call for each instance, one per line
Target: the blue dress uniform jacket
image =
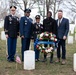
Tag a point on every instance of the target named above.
point(11, 26)
point(26, 31)
point(25, 27)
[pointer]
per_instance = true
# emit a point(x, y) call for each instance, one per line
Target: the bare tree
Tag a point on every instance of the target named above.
point(71, 6)
point(46, 5)
point(52, 5)
point(25, 3)
point(3, 9)
point(43, 5)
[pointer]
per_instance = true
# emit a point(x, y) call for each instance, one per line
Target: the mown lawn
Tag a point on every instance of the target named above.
point(46, 68)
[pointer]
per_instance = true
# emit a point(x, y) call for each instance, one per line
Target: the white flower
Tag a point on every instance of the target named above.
point(51, 48)
point(55, 39)
point(43, 47)
point(46, 51)
point(51, 34)
point(52, 38)
point(41, 35)
point(49, 51)
point(39, 47)
point(46, 34)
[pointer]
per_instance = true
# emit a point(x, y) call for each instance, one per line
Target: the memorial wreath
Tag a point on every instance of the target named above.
point(46, 36)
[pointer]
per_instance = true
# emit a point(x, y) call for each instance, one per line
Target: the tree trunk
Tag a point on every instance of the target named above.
point(47, 6)
point(54, 9)
point(25, 4)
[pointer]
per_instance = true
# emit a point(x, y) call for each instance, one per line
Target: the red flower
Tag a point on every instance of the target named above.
point(43, 51)
point(37, 46)
point(41, 39)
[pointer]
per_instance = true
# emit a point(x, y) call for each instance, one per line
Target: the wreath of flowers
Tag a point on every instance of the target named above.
point(43, 49)
point(46, 36)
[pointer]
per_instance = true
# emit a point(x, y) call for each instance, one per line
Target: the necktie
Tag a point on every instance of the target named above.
point(59, 22)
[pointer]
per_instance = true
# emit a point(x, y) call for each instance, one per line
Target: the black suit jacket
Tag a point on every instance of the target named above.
point(50, 25)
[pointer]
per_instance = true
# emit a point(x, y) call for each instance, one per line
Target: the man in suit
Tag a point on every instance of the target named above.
point(49, 25)
point(11, 28)
point(63, 29)
point(25, 31)
point(37, 29)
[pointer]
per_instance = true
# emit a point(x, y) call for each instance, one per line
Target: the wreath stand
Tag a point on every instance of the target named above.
point(55, 44)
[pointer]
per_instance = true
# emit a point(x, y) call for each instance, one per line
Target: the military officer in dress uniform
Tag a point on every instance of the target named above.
point(11, 28)
point(37, 29)
point(25, 31)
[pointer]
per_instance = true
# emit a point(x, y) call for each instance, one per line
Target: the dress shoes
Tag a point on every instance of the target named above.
point(63, 62)
point(44, 60)
point(58, 60)
point(10, 60)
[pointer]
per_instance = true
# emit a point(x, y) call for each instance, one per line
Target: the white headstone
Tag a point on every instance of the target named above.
point(3, 37)
point(70, 39)
point(29, 60)
point(72, 27)
point(74, 62)
point(1, 23)
point(75, 36)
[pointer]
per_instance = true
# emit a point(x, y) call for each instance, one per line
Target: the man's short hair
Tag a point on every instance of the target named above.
point(60, 11)
point(49, 12)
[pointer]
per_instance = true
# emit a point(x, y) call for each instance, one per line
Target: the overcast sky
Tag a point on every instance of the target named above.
point(35, 11)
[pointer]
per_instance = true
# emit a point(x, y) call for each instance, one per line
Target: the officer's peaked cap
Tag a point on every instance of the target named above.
point(37, 16)
point(13, 7)
point(27, 10)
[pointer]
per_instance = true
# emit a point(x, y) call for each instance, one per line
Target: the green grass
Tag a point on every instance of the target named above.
point(46, 68)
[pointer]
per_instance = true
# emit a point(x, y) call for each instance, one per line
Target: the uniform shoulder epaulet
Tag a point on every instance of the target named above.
point(17, 17)
point(9, 15)
point(35, 23)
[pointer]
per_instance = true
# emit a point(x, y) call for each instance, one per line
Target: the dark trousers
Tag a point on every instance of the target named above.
point(37, 52)
point(25, 46)
point(45, 45)
point(45, 55)
point(61, 46)
point(11, 44)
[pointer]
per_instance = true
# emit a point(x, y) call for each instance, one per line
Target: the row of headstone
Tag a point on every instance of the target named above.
point(3, 37)
point(1, 23)
point(70, 38)
point(72, 28)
